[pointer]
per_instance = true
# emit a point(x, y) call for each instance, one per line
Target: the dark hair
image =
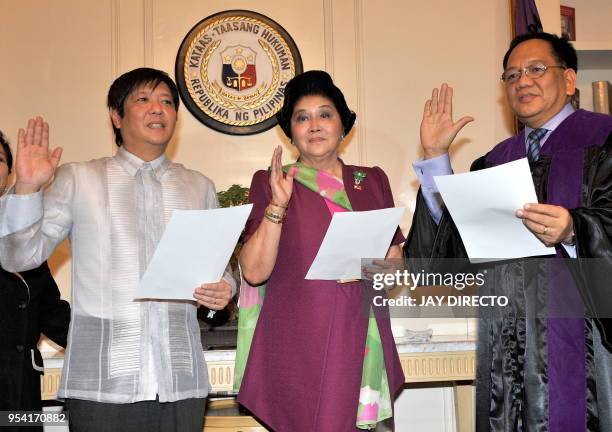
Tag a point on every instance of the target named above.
point(561, 48)
point(7, 150)
point(123, 86)
point(310, 83)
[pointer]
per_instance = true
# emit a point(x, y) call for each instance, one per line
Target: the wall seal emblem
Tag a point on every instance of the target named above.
point(232, 69)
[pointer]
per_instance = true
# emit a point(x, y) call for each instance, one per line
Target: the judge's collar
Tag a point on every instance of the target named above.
point(553, 122)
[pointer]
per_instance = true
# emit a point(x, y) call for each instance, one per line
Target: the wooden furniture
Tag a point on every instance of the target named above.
point(228, 420)
point(449, 359)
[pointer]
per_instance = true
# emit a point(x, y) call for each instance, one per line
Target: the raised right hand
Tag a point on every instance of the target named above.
point(35, 163)
point(281, 185)
point(437, 128)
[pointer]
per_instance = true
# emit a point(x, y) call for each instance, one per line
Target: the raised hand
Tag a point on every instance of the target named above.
point(437, 127)
point(35, 163)
point(281, 185)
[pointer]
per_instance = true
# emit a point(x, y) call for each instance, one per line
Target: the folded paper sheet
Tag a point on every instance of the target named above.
point(483, 205)
point(350, 237)
point(195, 249)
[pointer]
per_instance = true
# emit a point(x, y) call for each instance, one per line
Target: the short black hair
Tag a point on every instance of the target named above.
point(123, 86)
point(314, 82)
point(7, 150)
point(561, 48)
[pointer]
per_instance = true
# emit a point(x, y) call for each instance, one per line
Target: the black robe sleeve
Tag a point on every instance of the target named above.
point(593, 229)
point(53, 313)
point(427, 239)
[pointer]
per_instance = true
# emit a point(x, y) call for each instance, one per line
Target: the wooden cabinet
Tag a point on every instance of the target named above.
point(444, 359)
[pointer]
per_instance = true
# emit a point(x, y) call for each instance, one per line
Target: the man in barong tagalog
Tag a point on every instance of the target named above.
point(130, 365)
point(534, 371)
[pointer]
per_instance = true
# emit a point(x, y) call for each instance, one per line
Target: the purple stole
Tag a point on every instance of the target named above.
point(565, 337)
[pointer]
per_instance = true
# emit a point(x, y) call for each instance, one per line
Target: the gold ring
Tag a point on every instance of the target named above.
point(545, 230)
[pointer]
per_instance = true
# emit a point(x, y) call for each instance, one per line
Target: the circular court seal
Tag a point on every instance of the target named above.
point(232, 69)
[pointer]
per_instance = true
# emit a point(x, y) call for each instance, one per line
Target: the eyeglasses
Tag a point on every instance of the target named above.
point(533, 71)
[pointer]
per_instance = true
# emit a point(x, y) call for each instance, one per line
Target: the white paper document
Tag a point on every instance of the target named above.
point(195, 249)
point(483, 206)
point(350, 237)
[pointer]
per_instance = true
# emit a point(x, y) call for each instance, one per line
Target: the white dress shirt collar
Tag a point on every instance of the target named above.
point(132, 163)
point(553, 123)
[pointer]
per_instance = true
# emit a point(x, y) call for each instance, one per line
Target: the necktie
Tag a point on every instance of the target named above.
point(533, 144)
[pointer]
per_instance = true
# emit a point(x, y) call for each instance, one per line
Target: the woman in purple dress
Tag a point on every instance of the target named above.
point(317, 362)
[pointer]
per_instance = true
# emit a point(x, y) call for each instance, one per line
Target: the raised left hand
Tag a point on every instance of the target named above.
point(214, 296)
point(549, 223)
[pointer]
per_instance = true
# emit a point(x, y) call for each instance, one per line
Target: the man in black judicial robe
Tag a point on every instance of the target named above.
point(534, 371)
point(30, 304)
